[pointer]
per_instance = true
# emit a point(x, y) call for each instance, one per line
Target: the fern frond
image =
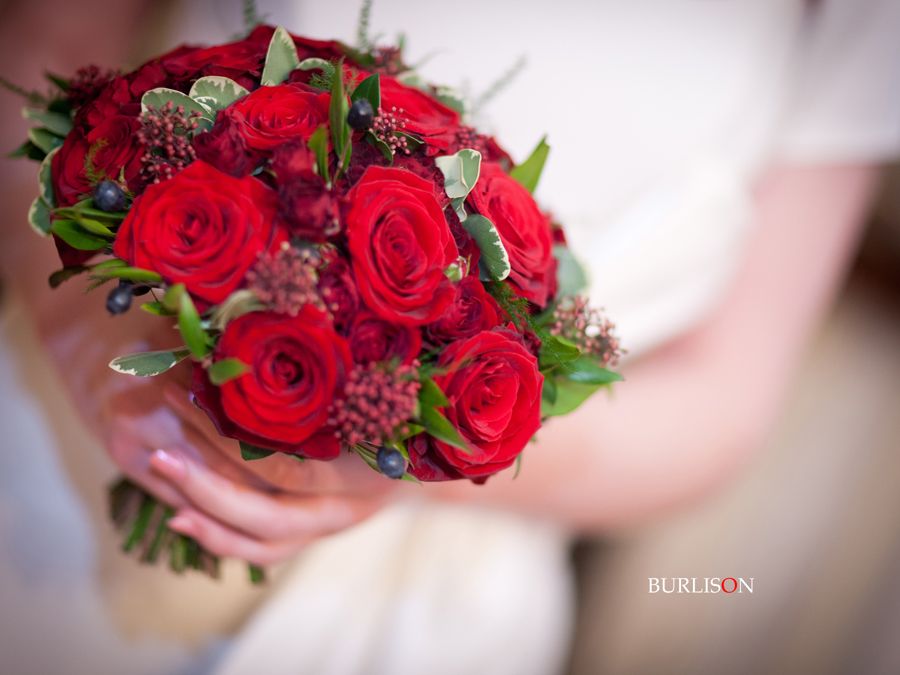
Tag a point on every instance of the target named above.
point(363, 42)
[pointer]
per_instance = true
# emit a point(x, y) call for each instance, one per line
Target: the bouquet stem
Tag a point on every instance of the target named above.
point(143, 521)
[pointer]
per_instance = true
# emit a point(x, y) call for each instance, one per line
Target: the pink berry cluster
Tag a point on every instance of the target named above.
point(287, 279)
point(586, 327)
point(166, 135)
point(387, 127)
point(377, 403)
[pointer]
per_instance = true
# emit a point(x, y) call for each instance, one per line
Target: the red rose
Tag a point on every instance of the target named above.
point(297, 366)
point(306, 205)
point(374, 339)
point(338, 291)
point(525, 231)
point(473, 310)
point(400, 245)
point(203, 228)
point(224, 147)
point(271, 116)
point(107, 151)
point(422, 114)
point(494, 387)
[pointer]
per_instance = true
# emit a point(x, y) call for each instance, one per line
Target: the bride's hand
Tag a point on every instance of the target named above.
point(263, 511)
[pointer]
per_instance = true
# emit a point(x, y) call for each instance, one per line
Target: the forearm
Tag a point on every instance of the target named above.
point(691, 412)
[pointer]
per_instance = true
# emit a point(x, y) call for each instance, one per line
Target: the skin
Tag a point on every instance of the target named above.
point(689, 415)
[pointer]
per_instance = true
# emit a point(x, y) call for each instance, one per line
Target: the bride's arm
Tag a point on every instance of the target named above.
point(689, 414)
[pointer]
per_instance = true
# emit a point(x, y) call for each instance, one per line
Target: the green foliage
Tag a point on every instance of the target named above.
point(251, 15)
point(216, 93)
point(363, 42)
point(159, 97)
point(195, 337)
point(76, 237)
point(528, 173)
point(224, 370)
point(431, 397)
point(252, 452)
point(318, 143)
point(281, 59)
point(44, 139)
point(570, 275)
point(369, 89)
point(341, 133)
point(148, 364)
point(237, 304)
point(55, 123)
point(494, 257)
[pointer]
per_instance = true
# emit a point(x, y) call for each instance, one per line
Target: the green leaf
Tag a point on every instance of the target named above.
point(337, 118)
point(39, 217)
point(313, 63)
point(64, 274)
point(56, 123)
point(451, 98)
point(567, 396)
point(45, 180)
point(157, 98)
point(94, 227)
point(45, 140)
point(442, 429)
point(318, 143)
point(431, 395)
point(28, 150)
point(369, 89)
point(528, 173)
point(216, 92)
point(251, 452)
point(191, 329)
point(281, 59)
point(60, 82)
point(571, 277)
point(556, 351)
point(155, 308)
point(494, 257)
point(126, 272)
point(148, 364)
point(224, 370)
point(586, 370)
point(461, 172)
point(237, 304)
point(71, 233)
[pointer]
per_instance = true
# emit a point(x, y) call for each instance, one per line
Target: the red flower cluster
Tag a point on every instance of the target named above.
point(374, 316)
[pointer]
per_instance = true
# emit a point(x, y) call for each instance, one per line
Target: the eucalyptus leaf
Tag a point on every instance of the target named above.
point(157, 98)
point(148, 364)
point(571, 276)
point(54, 122)
point(494, 257)
point(461, 171)
point(43, 139)
point(225, 370)
point(369, 89)
point(216, 92)
point(528, 173)
point(237, 304)
point(71, 233)
point(39, 216)
point(251, 452)
point(281, 59)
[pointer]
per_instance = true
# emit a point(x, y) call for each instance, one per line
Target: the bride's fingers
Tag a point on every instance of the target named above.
point(133, 459)
point(226, 541)
point(267, 516)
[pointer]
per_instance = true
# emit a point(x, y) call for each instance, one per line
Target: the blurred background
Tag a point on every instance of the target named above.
point(814, 518)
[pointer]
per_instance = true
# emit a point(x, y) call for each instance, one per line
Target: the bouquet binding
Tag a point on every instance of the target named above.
point(351, 267)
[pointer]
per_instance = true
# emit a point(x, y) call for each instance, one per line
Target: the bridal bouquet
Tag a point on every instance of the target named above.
point(351, 267)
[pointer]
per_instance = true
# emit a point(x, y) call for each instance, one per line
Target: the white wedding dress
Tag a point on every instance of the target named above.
point(660, 114)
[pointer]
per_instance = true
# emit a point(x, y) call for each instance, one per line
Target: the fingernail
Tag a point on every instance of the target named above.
point(181, 524)
point(169, 464)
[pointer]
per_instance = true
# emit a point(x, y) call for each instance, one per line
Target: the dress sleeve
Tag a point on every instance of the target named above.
point(844, 104)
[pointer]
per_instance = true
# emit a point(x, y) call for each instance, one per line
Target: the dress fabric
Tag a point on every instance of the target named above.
point(660, 115)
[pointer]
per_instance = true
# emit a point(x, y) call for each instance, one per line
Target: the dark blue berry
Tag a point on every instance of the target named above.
point(361, 115)
point(119, 299)
point(391, 462)
point(109, 197)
